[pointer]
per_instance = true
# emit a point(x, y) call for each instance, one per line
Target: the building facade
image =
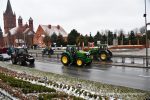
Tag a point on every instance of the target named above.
point(16, 35)
point(44, 30)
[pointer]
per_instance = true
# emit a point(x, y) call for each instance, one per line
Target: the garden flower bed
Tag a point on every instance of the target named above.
point(77, 87)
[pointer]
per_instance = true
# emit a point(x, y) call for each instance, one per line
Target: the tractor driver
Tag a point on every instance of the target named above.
point(73, 52)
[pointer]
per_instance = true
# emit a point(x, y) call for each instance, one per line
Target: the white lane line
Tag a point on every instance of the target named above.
point(144, 76)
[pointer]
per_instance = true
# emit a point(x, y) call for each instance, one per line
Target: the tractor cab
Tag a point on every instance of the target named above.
point(103, 46)
point(71, 48)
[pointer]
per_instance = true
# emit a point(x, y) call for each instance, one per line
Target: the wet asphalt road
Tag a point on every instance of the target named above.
point(138, 78)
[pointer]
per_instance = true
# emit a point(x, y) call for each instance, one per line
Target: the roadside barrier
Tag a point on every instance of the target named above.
point(132, 58)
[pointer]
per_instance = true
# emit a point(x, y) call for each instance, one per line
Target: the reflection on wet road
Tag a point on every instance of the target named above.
point(138, 78)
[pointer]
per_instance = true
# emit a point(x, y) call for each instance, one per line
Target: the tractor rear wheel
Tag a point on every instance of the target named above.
point(21, 63)
point(65, 60)
point(79, 62)
point(31, 62)
point(103, 56)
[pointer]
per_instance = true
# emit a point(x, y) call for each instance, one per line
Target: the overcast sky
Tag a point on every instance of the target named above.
point(83, 15)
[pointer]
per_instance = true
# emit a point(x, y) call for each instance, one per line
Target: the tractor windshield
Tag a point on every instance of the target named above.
point(72, 49)
point(103, 46)
point(21, 51)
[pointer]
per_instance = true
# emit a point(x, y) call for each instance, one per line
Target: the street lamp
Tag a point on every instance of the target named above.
point(145, 14)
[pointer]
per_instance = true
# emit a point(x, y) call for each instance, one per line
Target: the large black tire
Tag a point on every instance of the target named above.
point(31, 62)
point(65, 60)
point(14, 61)
point(103, 56)
point(21, 62)
point(79, 62)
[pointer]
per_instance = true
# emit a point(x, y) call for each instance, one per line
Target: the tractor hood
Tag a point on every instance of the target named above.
point(84, 52)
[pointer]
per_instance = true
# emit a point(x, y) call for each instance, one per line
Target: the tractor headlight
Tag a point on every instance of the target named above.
point(88, 54)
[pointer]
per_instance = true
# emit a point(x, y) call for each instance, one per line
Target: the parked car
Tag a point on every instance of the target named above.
point(3, 50)
point(4, 57)
point(21, 56)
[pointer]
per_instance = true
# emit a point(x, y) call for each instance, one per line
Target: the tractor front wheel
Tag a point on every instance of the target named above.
point(79, 62)
point(103, 56)
point(65, 60)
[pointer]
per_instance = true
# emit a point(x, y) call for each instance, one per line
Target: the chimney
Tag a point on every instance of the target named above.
point(49, 26)
point(58, 27)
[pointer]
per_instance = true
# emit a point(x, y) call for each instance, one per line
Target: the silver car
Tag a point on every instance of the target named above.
point(4, 57)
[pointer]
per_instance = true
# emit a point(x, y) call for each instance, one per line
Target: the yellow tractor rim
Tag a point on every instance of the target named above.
point(103, 56)
point(64, 59)
point(79, 62)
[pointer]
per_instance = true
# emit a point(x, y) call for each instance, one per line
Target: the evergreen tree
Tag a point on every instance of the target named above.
point(104, 39)
point(72, 37)
point(110, 38)
point(47, 40)
point(132, 38)
point(53, 38)
point(86, 40)
point(97, 37)
point(60, 40)
point(90, 39)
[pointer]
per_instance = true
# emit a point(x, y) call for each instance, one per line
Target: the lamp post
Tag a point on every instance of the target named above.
point(145, 14)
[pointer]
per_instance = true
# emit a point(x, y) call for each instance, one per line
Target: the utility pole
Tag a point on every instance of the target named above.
point(145, 14)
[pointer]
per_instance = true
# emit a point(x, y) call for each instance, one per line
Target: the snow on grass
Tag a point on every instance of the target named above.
point(90, 88)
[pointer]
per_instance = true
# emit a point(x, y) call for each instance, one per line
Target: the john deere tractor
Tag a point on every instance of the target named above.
point(101, 53)
point(73, 56)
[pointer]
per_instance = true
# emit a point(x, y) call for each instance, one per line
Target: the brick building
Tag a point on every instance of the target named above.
point(44, 30)
point(16, 35)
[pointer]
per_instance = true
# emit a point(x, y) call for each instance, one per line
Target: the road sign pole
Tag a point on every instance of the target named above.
point(146, 36)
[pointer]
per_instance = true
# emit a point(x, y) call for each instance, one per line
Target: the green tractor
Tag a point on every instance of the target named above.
point(101, 53)
point(73, 56)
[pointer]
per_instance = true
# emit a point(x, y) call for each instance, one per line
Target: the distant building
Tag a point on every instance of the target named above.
point(21, 35)
point(44, 30)
point(16, 35)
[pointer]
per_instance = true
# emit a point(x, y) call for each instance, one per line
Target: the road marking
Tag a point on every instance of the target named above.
point(144, 76)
